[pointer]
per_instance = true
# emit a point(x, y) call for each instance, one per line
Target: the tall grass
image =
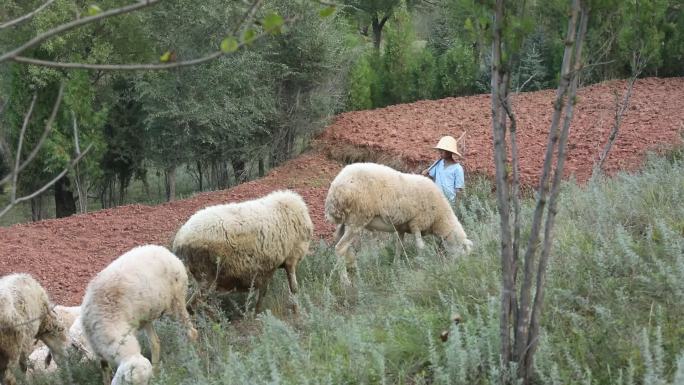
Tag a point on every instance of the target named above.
point(614, 312)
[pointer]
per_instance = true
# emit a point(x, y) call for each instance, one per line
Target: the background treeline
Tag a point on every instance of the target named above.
point(215, 125)
point(432, 51)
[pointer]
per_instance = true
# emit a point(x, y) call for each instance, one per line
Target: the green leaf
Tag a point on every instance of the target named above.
point(469, 25)
point(272, 23)
point(249, 36)
point(229, 44)
point(165, 57)
point(328, 11)
point(93, 10)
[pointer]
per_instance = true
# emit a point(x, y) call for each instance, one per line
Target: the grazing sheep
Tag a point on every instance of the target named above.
point(25, 315)
point(127, 296)
point(377, 197)
point(240, 245)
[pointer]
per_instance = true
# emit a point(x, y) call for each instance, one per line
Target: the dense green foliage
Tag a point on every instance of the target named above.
point(613, 315)
point(455, 59)
point(248, 110)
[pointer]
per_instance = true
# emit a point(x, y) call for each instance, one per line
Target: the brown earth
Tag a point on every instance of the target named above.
point(407, 132)
point(64, 254)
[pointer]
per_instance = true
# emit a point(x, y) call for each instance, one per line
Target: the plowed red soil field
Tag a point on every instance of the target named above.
point(64, 254)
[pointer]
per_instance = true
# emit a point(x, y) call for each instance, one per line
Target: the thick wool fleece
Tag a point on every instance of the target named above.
point(240, 245)
point(381, 198)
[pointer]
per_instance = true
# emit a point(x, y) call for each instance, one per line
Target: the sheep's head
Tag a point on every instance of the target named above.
point(456, 247)
point(136, 370)
point(53, 334)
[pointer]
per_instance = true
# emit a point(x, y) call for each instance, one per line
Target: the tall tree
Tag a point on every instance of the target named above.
point(376, 13)
point(521, 311)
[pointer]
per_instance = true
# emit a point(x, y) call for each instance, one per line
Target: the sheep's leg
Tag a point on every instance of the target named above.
point(398, 246)
point(6, 375)
point(260, 296)
point(339, 232)
point(23, 362)
point(420, 244)
point(106, 372)
point(155, 345)
point(181, 312)
point(9, 378)
point(343, 249)
point(290, 268)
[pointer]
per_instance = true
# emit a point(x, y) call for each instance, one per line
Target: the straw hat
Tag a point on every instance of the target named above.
point(448, 143)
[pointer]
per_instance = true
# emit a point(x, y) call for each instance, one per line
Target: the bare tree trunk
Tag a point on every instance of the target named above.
point(199, 175)
point(377, 25)
point(38, 210)
point(533, 337)
point(146, 185)
point(524, 314)
point(224, 175)
point(170, 179)
point(64, 199)
point(122, 190)
point(502, 194)
point(81, 190)
point(112, 184)
point(79, 180)
point(524, 317)
point(239, 170)
point(262, 167)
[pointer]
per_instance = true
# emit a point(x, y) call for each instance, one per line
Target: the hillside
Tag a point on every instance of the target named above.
point(65, 253)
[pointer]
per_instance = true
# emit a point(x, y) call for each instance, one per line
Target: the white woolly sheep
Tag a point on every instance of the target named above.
point(25, 315)
point(380, 198)
point(127, 296)
point(237, 246)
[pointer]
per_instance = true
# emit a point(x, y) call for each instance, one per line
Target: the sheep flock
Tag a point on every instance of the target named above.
point(219, 249)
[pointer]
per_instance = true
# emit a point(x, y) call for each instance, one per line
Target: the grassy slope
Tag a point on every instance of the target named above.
point(614, 311)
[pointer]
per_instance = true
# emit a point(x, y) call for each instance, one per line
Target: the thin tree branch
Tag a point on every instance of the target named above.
point(74, 24)
point(521, 336)
point(138, 67)
point(524, 84)
point(17, 158)
point(553, 200)
point(26, 16)
point(46, 131)
point(247, 16)
point(619, 113)
point(47, 185)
